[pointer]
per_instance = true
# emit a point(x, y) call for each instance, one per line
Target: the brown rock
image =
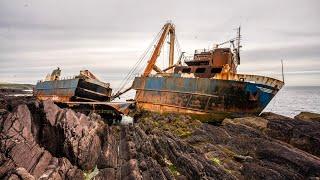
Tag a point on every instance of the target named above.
point(61, 168)
point(308, 116)
point(302, 134)
point(82, 143)
point(22, 156)
point(109, 155)
point(20, 174)
point(107, 173)
point(130, 170)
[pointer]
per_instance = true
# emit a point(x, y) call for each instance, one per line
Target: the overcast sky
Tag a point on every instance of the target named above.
point(108, 37)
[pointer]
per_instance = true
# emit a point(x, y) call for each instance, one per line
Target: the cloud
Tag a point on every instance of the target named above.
point(108, 37)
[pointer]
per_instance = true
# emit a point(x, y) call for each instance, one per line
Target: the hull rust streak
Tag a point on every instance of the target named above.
point(203, 95)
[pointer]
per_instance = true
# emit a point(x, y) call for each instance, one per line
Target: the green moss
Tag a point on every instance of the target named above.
point(172, 123)
point(228, 171)
point(227, 151)
point(183, 132)
point(214, 118)
point(89, 175)
point(173, 170)
point(215, 160)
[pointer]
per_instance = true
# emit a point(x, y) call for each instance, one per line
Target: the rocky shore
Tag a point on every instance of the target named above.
point(39, 140)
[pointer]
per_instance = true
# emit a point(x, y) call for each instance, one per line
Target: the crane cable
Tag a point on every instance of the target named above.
point(129, 76)
point(178, 47)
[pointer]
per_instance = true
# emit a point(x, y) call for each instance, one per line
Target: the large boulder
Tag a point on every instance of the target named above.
point(308, 116)
point(21, 156)
point(82, 145)
point(303, 134)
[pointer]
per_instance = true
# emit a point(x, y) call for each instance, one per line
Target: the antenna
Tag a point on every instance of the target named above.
point(239, 37)
point(282, 70)
point(238, 45)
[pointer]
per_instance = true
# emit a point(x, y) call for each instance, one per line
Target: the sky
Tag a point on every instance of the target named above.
point(109, 37)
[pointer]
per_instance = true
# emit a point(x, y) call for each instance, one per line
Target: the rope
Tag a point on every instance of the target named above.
point(178, 47)
point(140, 64)
point(130, 74)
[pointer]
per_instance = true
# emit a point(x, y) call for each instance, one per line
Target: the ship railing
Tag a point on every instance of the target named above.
point(188, 58)
point(260, 80)
point(68, 77)
point(199, 51)
point(62, 78)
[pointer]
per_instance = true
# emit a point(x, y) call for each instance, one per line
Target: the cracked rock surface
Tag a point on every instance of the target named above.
point(39, 140)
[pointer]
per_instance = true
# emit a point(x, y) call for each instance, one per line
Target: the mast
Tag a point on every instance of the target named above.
point(171, 51)
point(282, 70)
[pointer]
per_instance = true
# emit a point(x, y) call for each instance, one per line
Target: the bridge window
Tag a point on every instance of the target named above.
point(201, 70)
point(186, 70)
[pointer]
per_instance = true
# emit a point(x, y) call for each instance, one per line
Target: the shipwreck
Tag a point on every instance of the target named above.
point(83, 93)
point(206, 84)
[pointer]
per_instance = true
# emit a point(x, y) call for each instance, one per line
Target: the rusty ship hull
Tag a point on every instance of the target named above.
point(77, 89)
point(204, 97)
point(205, 84)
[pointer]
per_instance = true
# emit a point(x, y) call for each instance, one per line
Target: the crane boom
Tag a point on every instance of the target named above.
point(168, 28)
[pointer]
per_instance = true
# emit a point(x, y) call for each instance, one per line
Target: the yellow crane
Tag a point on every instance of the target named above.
point(167, 29)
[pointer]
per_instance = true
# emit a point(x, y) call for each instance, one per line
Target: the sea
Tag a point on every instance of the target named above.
point(291, 100)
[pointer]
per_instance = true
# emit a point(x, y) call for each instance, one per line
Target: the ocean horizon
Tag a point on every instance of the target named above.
point(291, 100)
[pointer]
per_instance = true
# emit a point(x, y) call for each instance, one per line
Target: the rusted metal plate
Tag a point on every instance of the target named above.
point(57, 90)
point(76, 89)
point(203, 95)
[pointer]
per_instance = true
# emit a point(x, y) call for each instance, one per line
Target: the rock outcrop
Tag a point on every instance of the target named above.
point(298, 132)
point(39, 140)
point(239, 148)
point(80, 134)
point(22, 156)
